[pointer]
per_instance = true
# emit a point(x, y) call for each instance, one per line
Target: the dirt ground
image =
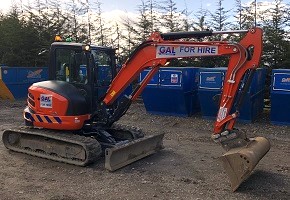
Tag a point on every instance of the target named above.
point(188, 167)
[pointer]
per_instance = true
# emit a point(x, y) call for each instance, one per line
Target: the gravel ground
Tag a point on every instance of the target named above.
point(188, 167)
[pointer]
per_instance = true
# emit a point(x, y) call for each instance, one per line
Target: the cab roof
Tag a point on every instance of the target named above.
point(78, 45)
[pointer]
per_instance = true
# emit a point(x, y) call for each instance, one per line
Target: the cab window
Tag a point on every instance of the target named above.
point(71, 66)
point(103, 63)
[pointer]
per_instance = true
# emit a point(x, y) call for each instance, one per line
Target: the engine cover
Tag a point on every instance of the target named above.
point(56, 105)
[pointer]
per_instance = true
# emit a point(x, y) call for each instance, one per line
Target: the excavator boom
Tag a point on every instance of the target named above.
point(243, 153)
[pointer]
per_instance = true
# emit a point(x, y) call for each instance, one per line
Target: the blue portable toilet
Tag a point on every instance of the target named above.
point(280, 97)
point(19, 79)
point(172, 91)
point(211, 84)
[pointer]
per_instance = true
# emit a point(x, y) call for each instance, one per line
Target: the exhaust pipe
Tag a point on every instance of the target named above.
point(239, 162)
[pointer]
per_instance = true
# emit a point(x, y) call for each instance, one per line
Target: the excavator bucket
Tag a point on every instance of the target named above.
point(239, 162)
point(123, 155)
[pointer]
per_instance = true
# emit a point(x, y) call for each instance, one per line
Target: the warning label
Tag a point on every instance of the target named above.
point(174, 78)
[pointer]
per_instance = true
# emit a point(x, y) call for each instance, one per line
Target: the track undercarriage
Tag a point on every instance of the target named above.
point(120, 145)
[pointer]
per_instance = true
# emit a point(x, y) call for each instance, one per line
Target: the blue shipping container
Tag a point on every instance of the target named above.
point(172, 91)
point(19, 79)
point(210, 87)
point(280, 97)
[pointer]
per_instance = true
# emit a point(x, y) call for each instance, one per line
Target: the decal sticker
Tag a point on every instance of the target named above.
point(45, 101)
point(285, 80)
point(112, 94)
point(281, 82)
point(77, 120)
point(210, 78)
point(174, 78)
point(222, 114)
point(34, 74)
point(176, 51)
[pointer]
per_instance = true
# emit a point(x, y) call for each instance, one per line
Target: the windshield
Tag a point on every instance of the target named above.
point(71, 65)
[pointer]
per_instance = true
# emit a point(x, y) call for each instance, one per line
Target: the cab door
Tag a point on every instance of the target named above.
point(105, 70)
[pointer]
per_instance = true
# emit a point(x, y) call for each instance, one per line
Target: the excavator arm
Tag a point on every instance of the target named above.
point(242, 153)
point(249, 52)
point(159, 49)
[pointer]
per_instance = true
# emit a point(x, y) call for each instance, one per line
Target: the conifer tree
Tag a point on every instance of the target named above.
point(276, 44)
point(219, 22)
point(220, 18)
point(170, 16)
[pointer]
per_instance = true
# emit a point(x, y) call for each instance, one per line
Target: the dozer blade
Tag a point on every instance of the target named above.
point(123, 155)
point(239, 162)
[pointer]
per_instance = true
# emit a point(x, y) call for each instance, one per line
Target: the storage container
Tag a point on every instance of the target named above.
point(210, 87)
point(280, 97)
point(172, 91)
point(19, 79)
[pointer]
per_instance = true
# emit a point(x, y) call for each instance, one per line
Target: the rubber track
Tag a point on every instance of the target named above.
point(90, 145)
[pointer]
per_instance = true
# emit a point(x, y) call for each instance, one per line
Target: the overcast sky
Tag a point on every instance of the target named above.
point(132, 5)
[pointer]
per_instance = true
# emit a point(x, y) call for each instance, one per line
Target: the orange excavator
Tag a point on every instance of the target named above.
point(71, 117)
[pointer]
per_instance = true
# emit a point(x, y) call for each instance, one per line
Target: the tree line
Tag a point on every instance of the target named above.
point(28, 29)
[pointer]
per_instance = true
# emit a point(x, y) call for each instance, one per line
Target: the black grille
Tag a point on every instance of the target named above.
point(31, 102)
point(30, 96)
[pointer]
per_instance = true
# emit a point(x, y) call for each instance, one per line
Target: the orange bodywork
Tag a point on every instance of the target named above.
point(148, 55)
point(237, 67)
point(53, 114)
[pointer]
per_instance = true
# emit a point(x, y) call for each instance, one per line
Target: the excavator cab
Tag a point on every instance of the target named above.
point(87, 67)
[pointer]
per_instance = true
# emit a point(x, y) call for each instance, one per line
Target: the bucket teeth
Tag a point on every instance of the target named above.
point(239, 162)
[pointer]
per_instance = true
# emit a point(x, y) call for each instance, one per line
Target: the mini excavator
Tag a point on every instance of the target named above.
point(71, 117)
